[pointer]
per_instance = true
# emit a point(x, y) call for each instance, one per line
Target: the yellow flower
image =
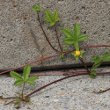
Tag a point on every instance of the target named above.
point(77, 53)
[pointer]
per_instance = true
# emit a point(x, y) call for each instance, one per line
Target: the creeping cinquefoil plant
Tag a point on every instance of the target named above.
point(73, 37)
point(97, 61)
point(22, 80)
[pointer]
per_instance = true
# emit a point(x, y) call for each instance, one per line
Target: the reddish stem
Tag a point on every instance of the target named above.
point(49, 57)
point(57, 37)
point(32, 62)
point(46, 34)
point(96, 46)
point(58, 80)
point(43, 87)
point(84, 63)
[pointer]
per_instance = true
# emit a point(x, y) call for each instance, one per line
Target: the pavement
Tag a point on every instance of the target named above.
point(17, 47)
point(17, 44)
point(76, 93)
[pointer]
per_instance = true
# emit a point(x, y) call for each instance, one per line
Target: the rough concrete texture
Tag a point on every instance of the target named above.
point(17, 46)
point(72, 94)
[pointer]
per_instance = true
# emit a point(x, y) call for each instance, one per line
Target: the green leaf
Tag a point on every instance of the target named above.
point(31, 80)
point(26, 72)
point(93, 74)
point(36, 8)
point(69, 41)
point(19, 82)
point(51, 17)
point(106, 57)
point(48, 16)
point(52, 24)
point(56, 16)
point(15, 75)
point(68, 32)
point(82, 38)
point(74, 37)
point(76, 29)
point(97, 60)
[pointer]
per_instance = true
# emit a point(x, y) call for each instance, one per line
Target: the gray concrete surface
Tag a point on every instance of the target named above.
point(17, 47)
point(72, 94)
point(17, 44)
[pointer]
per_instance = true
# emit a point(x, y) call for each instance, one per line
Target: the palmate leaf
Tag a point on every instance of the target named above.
point(25, 78)
point(76, 30)
point(15, 75)
point(82, 37)
point(56, 16)
point(31, 80)
point(106, 56)
point(97, 60)
point(51, 17)
point(19, 82)
point(36, 8)
point(69, 41)
point(73, 36)
point(68, 33)
point(48, 16)
point(26, 72)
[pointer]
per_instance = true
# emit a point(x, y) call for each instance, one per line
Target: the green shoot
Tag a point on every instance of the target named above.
point(73, 37)
point(36, 8)
point(23, 79)
point(52, 17)
point(97, 60)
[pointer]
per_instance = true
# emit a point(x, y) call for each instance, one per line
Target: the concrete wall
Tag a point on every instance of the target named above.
point(17, 46)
